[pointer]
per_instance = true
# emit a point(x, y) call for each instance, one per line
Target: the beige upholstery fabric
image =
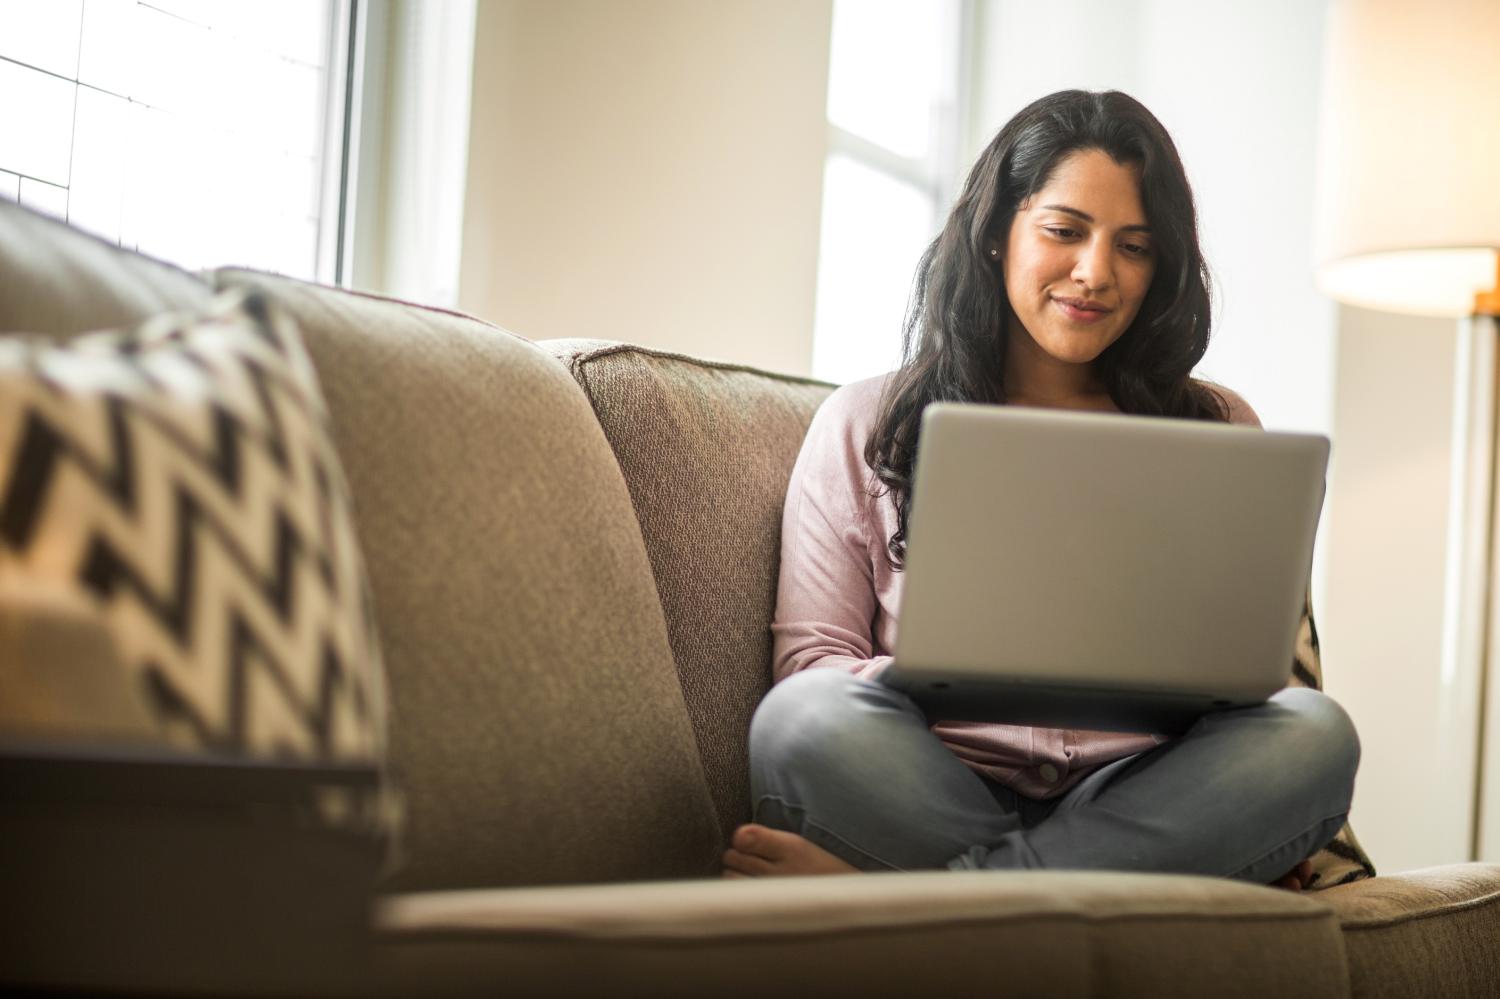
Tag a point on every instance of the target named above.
point(60, 281)
point(1028, 933)
point(1433, 932)
point(61, 672)
point(536, 723)
point(707, 450)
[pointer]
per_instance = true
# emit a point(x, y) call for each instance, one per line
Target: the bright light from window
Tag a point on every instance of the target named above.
point(887, 71)
point(193, 130)
point(892, 115)
point(874, 231)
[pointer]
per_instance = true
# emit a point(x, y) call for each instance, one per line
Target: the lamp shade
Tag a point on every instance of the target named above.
point(1408, 186)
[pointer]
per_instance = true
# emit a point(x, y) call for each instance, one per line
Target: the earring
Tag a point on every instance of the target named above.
point(994, 252)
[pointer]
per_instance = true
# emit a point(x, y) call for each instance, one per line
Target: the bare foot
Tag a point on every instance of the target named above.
point(758, 851)
point(1295, 879)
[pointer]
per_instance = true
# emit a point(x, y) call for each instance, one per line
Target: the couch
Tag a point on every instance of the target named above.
point(572, 548)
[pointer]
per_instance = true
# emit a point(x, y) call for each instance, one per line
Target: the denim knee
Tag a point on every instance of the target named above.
point(1320, 736)
point(814, 718)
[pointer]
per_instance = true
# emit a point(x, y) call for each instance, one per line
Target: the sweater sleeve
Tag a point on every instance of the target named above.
point(825, 597)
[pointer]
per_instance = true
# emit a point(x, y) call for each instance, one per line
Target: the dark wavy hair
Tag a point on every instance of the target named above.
point(954, 340)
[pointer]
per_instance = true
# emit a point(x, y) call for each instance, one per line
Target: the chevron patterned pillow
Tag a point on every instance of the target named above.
point(180, 478)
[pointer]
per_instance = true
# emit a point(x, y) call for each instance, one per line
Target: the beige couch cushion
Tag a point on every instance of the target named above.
point(536, 722)
point(707, 450)
point(57, 280)
point(1024, 933)
point(1433, 932)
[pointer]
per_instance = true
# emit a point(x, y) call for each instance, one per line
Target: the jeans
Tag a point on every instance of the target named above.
point(851, 765)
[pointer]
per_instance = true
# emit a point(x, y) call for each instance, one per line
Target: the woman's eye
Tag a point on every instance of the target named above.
point(1062, 232)
point(1137, 250)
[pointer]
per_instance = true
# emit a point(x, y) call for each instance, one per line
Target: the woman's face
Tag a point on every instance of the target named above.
point(1078, 259)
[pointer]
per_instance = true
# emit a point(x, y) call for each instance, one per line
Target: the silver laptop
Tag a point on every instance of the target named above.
point(1098, 571)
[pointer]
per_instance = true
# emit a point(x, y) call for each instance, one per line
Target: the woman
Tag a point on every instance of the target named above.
point(1069, 276)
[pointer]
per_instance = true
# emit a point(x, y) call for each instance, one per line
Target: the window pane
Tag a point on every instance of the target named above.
point(36, 123)
point(199, 128)
point(41, 33)
point(106, 53)
point(47, 198)
point(175, 65)
point(292, 29)
point(874, 230)
point(283, 110)
point(888, 70)
point(100, 173)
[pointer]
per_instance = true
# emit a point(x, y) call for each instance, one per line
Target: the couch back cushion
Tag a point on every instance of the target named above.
point(707, 450)
point(57, 280)
point(537, 727)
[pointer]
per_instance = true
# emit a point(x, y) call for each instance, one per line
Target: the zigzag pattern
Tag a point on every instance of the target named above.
point(44, 448)
point(197, 497)
point(232, 733)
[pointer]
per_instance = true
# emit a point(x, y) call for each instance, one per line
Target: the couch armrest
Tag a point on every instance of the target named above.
point(948, 933)
point(157, 871)
point(1429, 932)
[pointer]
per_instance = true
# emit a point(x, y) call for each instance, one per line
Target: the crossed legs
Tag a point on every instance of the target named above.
point(846, 775)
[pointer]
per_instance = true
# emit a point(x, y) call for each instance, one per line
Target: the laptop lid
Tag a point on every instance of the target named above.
point(1098, 557)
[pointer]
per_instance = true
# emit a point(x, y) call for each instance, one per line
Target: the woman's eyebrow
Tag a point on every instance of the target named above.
point(1090, 219)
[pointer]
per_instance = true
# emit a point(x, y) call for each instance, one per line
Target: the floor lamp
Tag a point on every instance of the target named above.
point(1408, 220)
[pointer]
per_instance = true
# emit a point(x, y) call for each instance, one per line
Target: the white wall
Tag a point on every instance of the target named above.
point(649, 171)
point(1382, 626)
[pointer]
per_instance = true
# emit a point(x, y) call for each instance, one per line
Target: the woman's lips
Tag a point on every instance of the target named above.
point(1078, 313)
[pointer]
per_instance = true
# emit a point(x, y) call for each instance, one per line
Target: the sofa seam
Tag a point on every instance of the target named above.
point(595, 353)
point(1385, 922)
point(397, 938)
point(581, 379)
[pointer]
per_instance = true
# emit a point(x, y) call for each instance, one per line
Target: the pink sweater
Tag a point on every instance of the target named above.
point(837, 599)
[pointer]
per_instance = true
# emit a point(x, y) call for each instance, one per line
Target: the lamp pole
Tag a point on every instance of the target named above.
point(1473, 600)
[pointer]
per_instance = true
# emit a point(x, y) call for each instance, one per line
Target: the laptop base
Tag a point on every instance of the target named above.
point(1044, 706)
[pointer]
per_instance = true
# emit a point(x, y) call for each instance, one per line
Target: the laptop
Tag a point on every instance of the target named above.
point(1083, 570)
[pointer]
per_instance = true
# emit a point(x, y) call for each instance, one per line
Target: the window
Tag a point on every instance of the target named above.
point(205, 132)
point(895, 80)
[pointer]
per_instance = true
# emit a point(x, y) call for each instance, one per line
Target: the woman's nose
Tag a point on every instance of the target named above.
point(1094, 268)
